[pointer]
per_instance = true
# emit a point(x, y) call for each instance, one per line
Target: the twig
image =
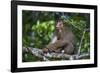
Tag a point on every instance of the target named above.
point(81, 42)
point(83, 55)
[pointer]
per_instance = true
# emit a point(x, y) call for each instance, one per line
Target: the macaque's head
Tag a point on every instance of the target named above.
point(59, 24)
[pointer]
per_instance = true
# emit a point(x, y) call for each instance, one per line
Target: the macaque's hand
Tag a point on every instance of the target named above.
point(45, 50)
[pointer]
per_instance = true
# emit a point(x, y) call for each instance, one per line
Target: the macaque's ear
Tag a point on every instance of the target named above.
point(67, 24)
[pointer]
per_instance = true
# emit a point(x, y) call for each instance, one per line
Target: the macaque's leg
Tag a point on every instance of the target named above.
point(69, 49)
point(58, 50)
point(58, 44)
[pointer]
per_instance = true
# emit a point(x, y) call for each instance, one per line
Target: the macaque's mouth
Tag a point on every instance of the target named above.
point(58, 28)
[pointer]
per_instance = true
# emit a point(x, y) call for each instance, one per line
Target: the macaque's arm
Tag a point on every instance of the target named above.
point(56, 45)
point(54, 39)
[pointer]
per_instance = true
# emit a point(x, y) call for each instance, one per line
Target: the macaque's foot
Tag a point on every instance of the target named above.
point(45, 50)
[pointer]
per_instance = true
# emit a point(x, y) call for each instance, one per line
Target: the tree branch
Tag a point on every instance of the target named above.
point(39, 53)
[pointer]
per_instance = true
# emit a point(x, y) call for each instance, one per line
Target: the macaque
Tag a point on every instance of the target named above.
point(65, 40)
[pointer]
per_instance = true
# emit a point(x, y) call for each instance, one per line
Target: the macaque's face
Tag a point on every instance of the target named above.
point(59, 25)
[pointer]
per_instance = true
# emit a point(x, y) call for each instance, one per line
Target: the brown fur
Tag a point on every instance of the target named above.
point(65, 41)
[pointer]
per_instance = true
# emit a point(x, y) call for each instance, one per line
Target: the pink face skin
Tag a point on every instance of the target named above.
point(59, 25)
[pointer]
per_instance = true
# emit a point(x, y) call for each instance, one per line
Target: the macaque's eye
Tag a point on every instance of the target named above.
point(59, 24)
